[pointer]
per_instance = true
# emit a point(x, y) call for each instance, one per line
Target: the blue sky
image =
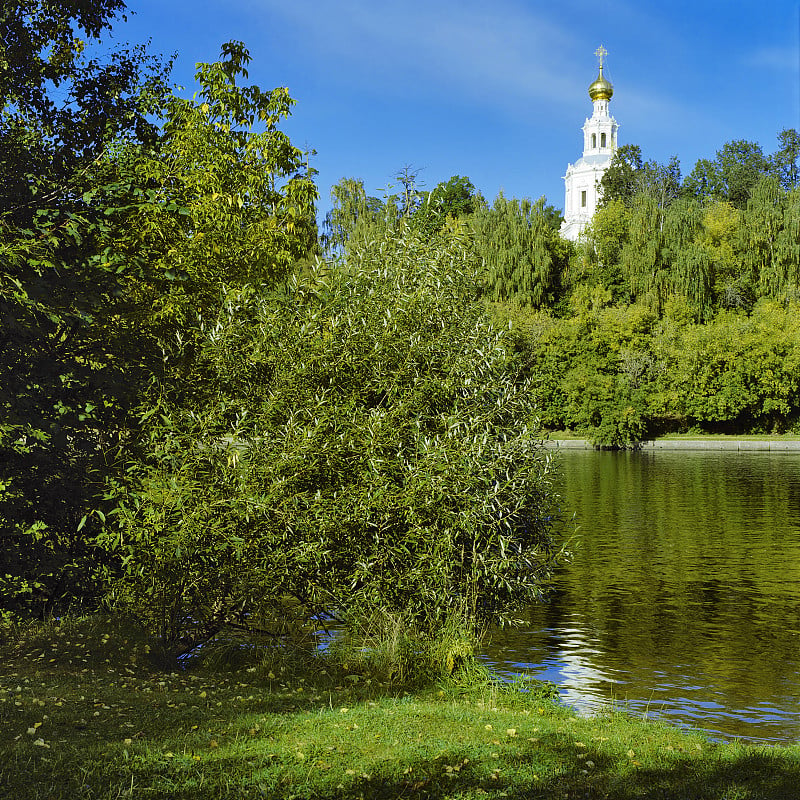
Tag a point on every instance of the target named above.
point(496, 91)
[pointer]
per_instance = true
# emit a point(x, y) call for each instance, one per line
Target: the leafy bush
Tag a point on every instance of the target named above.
point(355, 444)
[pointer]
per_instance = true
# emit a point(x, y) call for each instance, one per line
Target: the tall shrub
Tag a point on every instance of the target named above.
point(356, 443)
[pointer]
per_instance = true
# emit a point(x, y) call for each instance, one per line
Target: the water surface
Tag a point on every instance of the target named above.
point(682, 599)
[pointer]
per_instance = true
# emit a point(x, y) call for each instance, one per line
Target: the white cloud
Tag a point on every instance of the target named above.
point(500, 53)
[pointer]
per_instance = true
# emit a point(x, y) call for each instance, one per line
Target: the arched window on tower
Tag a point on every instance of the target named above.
point(602, 140)
point(594, 141)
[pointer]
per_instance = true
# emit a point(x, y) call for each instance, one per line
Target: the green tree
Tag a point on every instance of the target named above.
point(692, 267)
point(64, 377)
point(731, 176)
point(788, 245)
point(356, 444)
point(604, 239)
point(644, 257)
point(785, 161)
point(229, 200)
point(592, 372)
point(411, 190)
point(521, 251)
point(455, 198)
point(112, 265)
point(59, 108)
point(628, 175)
point(619, 181)
point(661, 180)
point(767, 240)
point(737, 374)
point(721, 222)
point(354, 215)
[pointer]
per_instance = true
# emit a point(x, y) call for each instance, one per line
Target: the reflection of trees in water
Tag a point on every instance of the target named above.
point(687, 564)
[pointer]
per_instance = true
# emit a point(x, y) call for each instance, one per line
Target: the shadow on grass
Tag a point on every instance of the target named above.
point(547, 770)
point(550, 770)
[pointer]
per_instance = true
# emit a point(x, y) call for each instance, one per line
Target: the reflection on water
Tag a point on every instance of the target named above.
point(682, 599)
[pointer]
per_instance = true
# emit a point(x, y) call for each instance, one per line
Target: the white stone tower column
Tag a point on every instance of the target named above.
point(582, 181)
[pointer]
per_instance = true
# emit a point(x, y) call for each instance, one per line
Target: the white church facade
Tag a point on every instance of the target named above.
point(582, 181)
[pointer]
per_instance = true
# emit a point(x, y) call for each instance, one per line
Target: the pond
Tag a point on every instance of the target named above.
point(682, 598)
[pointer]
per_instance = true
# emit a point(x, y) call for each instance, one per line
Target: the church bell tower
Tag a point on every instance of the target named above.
point(582, 181)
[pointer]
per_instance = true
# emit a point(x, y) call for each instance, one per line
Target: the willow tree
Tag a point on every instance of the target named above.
point(372, 459)
point(692, 267)
point(789, 241)
point(767, 262)
point(644, 258)
point(604, 238)
point(354, 215)
point(518, 246)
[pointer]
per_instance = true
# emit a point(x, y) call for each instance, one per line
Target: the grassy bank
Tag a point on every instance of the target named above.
point(83, 715)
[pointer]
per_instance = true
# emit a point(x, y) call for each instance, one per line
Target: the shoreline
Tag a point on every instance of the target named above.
point(743, 445)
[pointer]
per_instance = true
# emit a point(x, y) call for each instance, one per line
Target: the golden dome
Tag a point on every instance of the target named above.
point(601, 89)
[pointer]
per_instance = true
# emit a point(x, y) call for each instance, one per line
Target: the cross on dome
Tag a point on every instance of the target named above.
point(601, 89)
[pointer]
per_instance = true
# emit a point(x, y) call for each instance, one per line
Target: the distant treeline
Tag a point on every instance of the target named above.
point(674, 311)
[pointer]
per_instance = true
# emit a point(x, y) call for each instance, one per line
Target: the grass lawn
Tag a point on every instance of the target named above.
point(83, 715)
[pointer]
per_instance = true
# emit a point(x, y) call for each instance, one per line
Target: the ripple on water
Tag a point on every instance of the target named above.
point(683, 596)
